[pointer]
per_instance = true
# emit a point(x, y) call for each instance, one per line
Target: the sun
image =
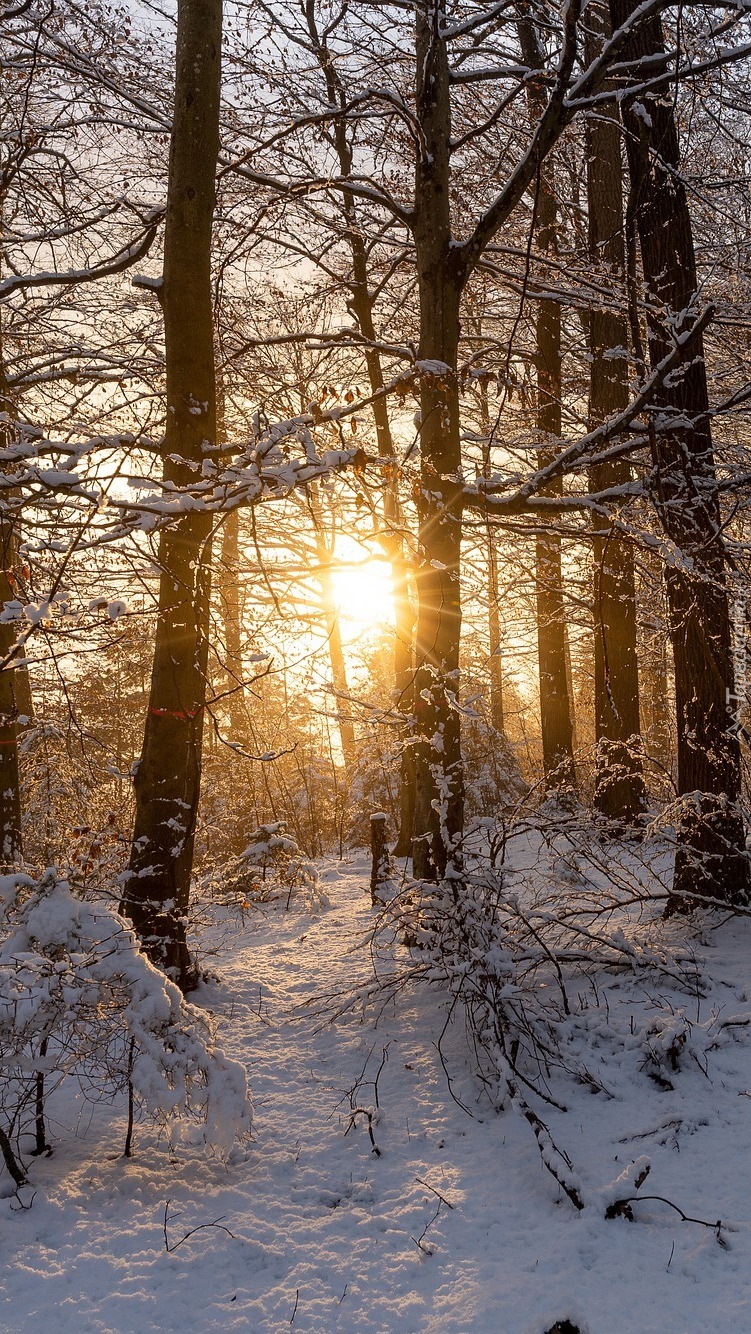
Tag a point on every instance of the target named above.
point(362, 589)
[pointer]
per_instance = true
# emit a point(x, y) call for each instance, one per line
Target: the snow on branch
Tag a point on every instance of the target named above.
point(76, 992)
point(118, 263)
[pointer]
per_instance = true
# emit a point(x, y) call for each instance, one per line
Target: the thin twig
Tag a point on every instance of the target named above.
point(217, 1223)
point(441, 1197)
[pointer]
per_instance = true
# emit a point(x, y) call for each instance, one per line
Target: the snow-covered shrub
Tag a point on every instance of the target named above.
point(78, 999)
point(664, 1043)
point(512, 934)
point(273, 866)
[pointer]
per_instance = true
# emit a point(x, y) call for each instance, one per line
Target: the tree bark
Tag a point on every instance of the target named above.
point(439, 792)
point(655, 690)
point(711, 858)
point(324, 554)
point(361, 304)
point(15, 690)
point(556, 720)
point(380, 864)
point(362, 307)
point(555, 702)
point(619, 784)
point(167, 783)
point(495, 637)
point(231, 610)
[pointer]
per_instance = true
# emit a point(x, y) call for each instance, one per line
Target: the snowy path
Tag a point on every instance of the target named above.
point(325, 1232)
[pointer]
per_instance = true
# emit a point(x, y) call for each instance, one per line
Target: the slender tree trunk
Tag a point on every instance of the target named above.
point(167, 784)
point(495, 638)
point(655, 690)
point(555, 701)
point(619, 783)
point(711, 858)
point(497, 716)
point(394, 545)
point(11, 848)
point(439, 795)
point(361, 304)
point(227, 584)
point(324, 554)
point(15, 692)
point(556, 719)
point(231, 611)
point(338, 663)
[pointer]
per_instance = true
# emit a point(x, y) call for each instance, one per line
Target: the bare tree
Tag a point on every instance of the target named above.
point(711, 858)
point(619, 783)
point(61, 235)
point(556, 707)
point(168, 776)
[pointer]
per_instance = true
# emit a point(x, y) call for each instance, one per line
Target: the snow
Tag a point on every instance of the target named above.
point(454, 1225)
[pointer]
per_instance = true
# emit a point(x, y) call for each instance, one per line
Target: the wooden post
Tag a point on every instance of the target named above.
point(380, 868)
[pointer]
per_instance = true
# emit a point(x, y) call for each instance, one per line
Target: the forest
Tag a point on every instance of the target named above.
point(375, 657)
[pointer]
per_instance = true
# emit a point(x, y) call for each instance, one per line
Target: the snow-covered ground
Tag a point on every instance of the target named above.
point(454, 1225)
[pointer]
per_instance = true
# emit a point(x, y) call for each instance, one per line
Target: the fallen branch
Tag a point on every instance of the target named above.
point(217, 1223)
point(419, 1240)
point(622, 1209)
point(363, 1111)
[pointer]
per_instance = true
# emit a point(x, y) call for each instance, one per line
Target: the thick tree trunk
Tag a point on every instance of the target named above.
point(619, 784)
point(439, 794)
point(167, 784)
point(711, 857)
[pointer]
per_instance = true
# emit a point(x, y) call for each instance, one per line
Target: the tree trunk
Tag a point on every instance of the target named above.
point(15, 692)
point(361, 305)
point(556, 720)
point(167, 783)
point(619, 784)
point(711, 858)
point(439, 793)
point(324, 555)
point(227, 586)
point(380, 864)
point(495, 638)
point(231, 611)
point(555, 702)
point(338, 664)
point(655, 690)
